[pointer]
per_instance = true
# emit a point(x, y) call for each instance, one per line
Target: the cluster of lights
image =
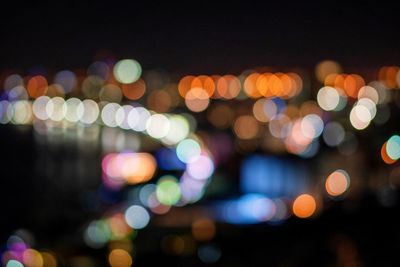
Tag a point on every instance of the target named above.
point(198, 90)
point(274, 114)
point(135, 168)
point(254, 208)
point(19, 252)
point(286, 121)
point(258, 208)
point(390, 76)
point(282, 85)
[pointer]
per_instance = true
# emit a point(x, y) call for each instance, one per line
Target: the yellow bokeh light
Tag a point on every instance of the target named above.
point(119, 258)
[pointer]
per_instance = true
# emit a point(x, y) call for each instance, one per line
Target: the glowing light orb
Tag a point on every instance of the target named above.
point(132, 167)
point(179, 129)
point(122, 116)
point(73, 110)
point(137, 119)
point(393, 147)
point(22, 112)
point(119, 258)
point(168, 191)
point(108, 114)
point(385, 156)
point(312, 126)
point(304, 206)
point(201, 168)
point(360, 117)
point(370, 93)
point(56, 109)
point(137, 217)
point(328, 98)
point(89, 110)
point(14, 263)
point(188, 150)
point(32, 258)
point(337, 183)
point(127, 71)
point(158, 126)
point(197, 99)
point(39, 107)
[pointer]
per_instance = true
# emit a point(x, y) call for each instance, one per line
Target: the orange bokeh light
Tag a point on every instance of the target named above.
point(134, 91)
point(228, 87)
point(388, 75)
point(37, 86)
point(185, 84)
point(385, 156)
point(350, 83)
point(337, 183)
point(159, 101)
point(304, 206)
point(204, 82)
point(246, 127)
point(250, 85)
point(132, 167)
point(119, 258)
point(197, 99)
point(145, 167)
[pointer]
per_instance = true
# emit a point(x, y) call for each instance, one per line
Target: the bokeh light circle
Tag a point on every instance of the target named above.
point(137, 217)
point(127, 71)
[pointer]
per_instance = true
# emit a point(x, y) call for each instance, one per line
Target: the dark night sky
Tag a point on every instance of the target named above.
point(198, 37)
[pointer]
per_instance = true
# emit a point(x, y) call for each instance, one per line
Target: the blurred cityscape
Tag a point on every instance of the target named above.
point(189, 156)
point(115, 164)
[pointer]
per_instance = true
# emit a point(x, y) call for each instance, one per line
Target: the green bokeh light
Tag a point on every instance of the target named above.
point(168, 191)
